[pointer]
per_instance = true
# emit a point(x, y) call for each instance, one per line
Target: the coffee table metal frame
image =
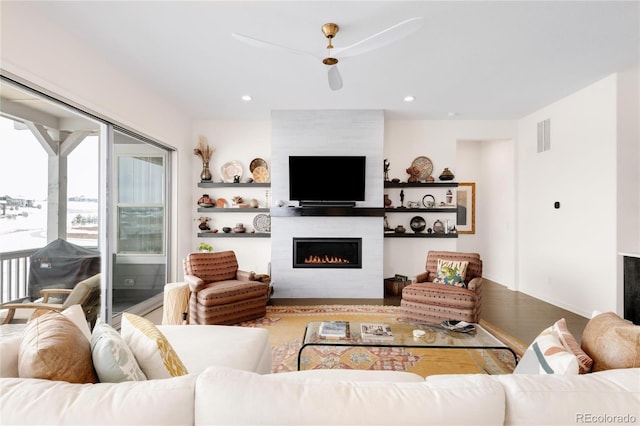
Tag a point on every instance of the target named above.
point(436, 337)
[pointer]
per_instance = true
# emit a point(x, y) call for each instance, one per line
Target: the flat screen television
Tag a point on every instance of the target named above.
point(327, 179)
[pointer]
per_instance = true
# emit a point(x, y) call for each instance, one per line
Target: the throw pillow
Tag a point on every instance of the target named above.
point(547, 355)
point(152, 350)
point(113, 360)
point(451, 272)
point(611, 342)
point(570, 343)
point(54, 348)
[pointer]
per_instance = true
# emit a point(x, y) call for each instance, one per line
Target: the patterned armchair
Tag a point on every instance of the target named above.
point(220, 292)
point(426, 301)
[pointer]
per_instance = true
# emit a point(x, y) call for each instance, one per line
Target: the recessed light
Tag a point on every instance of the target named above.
point(246, 98)
point(409, 98)
point(452, 114)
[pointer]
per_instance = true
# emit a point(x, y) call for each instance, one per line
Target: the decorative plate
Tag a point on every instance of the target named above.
point(261, 174)
point(262, 223)
point(425, 166)
point(257, 162)
point(229, 170)
point(429, 201)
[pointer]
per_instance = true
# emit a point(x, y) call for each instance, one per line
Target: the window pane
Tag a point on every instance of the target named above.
point(140, 180)
point(140, 230)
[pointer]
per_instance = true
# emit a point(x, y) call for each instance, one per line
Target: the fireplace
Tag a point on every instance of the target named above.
point(327, 253)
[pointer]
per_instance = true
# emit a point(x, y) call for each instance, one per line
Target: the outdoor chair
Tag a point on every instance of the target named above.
point(86, 294)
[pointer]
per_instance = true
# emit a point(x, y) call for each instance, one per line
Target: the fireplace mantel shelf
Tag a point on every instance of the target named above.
point(327, 211)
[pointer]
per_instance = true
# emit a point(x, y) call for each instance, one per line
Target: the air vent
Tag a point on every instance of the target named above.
point(544, 132)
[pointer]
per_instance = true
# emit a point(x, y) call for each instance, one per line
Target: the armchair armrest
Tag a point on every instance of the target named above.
point(475, 284)
point(12, 307)
point(195, 283)
point(245, 275)
point(422, 277)
point(46, 292)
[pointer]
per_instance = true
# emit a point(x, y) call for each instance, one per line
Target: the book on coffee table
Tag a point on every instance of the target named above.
point(334, 329)
point(376, 331)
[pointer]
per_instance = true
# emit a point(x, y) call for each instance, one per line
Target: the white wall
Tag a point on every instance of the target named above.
point(438, 140)
point(48, 57)
point(240, 141)
point(568, 256)
point(490, 164)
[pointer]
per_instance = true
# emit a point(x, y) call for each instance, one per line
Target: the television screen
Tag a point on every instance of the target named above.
point(327, 178)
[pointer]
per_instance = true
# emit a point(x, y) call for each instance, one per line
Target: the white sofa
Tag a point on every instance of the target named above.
point(228, 385)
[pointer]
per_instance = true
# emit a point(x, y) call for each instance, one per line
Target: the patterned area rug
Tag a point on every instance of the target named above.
point(286, 326)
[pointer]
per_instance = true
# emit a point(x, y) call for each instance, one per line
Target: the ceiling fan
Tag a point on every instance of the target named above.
point(333, 54)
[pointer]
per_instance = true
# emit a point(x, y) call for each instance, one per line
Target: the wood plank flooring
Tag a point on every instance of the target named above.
point(520, 315)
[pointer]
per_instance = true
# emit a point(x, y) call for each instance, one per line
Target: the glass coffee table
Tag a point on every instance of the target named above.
point(433, 336)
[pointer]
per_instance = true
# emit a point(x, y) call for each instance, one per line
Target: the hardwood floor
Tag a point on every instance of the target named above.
point(520, 315)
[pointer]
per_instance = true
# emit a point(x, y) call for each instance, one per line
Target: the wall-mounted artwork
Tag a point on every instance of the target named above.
point(466, 201)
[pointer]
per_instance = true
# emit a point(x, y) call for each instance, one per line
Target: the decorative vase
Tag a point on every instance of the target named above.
point(239, 228)
point(205, 174)
point(387, 201)
point(446, 174)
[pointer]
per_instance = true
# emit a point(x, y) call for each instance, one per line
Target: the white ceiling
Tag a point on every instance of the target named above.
point(481, 60)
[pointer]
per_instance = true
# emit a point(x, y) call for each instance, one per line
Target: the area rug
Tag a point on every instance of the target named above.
point(286, 325)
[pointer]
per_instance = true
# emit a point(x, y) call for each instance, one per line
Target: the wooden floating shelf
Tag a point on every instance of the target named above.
point(423, 210)
point(420, 184)
point(419, 235)
point(231, 210)
point(233, 185)
point(234, 235)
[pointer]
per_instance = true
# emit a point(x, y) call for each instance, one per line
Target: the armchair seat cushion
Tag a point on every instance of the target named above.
point(223, 292)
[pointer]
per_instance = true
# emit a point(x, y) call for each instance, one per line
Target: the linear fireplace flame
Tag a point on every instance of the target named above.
point(326, 259)
point(327, 252)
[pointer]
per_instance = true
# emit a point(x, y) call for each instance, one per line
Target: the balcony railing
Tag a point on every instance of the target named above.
point(14, 274)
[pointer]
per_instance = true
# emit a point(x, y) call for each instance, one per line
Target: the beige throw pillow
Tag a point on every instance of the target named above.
point(152, 350)
point(611, 342)
point(54, 348)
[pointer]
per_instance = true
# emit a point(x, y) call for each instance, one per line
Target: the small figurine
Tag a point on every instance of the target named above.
point(386, 170)
point(402, 198)
point(236, 179)
point(414, 173)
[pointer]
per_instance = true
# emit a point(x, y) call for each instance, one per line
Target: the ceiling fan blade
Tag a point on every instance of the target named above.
point(335, 79)
point(381, 39)
point(268, 45)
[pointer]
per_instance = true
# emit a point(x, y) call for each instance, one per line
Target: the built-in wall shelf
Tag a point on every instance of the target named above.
point(233, 185)
point(232, 210)
point(419, 235)
point(327, 211)
point(447, 184)
point(422, 210)
point(234, 235)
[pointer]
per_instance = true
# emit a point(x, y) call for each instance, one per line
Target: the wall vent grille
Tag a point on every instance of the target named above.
point(544, 133)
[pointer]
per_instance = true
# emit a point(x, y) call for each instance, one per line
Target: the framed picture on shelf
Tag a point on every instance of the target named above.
point(466, 201)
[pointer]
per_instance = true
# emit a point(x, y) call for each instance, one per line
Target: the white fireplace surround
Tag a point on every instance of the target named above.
point(327, 133)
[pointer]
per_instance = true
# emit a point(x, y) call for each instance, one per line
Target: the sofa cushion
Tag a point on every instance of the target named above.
point(611, 342)
point(151, 402)
point(547, 355)
point(112, 359)
point(451, 272)
point(9, 350)
point(585, 363)
point(152, 350)
point(572, 399)
point(222, 399)
point(54, 348)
